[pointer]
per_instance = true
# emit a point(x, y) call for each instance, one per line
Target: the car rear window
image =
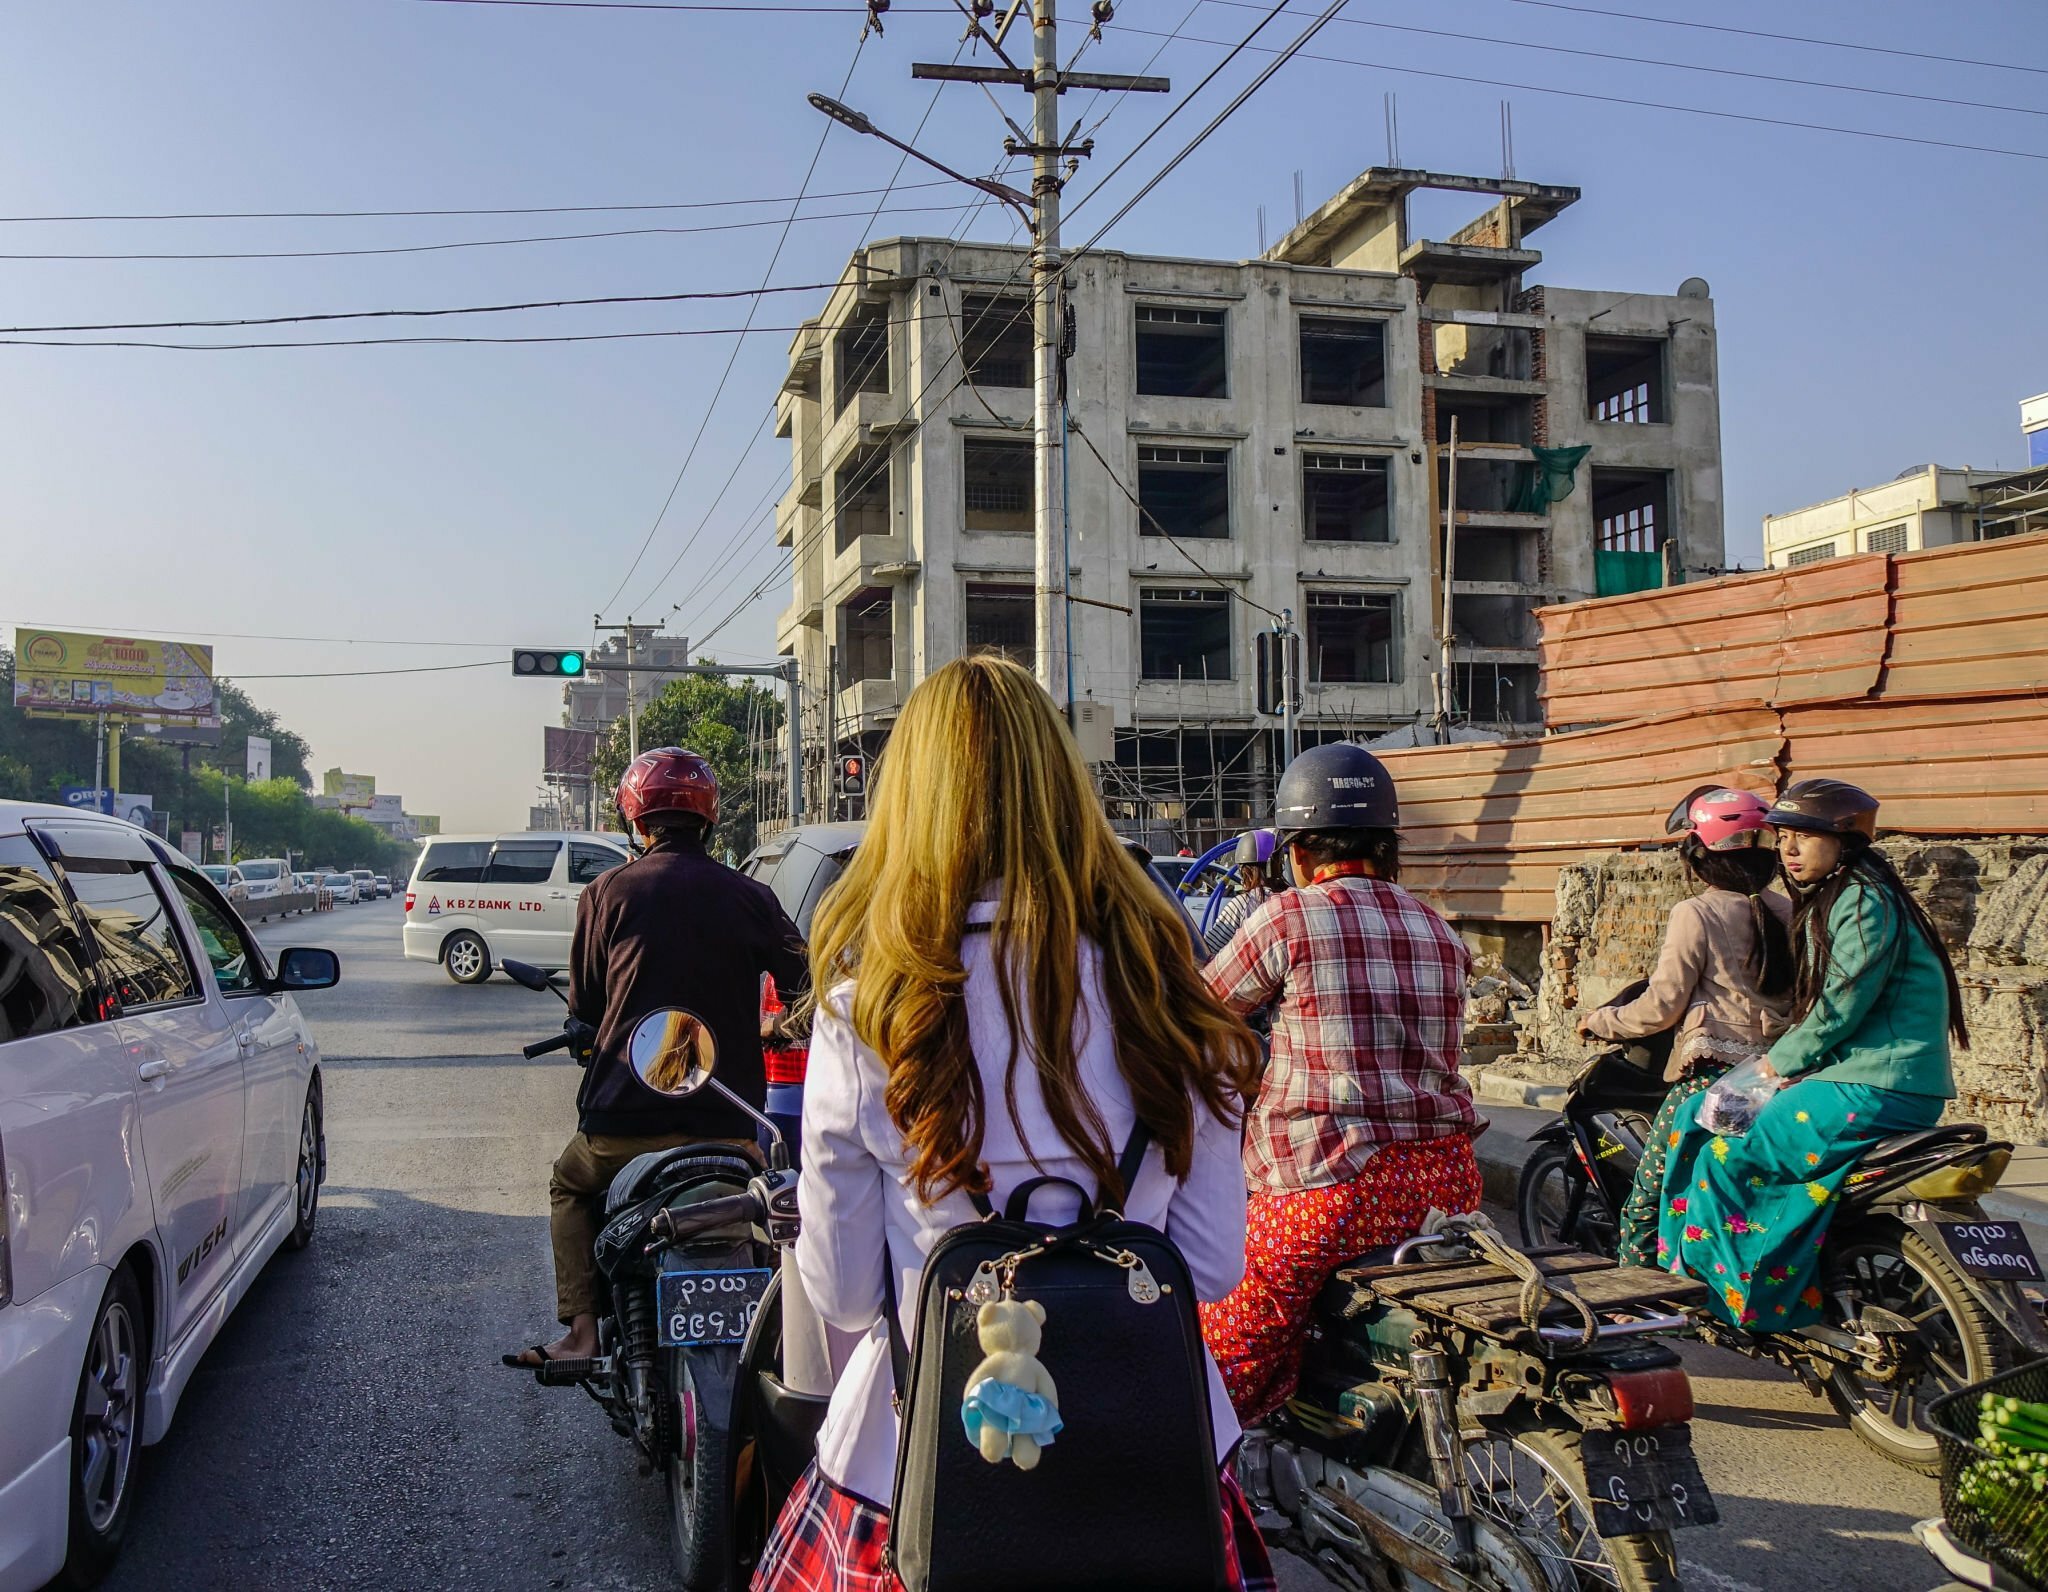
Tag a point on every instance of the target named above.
point(455, 862)
point(522, 862)
point(46, 981)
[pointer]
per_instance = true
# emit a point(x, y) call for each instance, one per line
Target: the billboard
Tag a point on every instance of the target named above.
point(351, 790)
point(426, 823)
point(137, 809)
point(567, 754)
point(259, 758)
point(60, 672)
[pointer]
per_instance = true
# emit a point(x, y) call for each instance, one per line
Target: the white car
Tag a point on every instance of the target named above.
point(476, 899)
point(341, 886)
point(366, 883)
point(227, 877)
point(160, 1140)
point(264, 877)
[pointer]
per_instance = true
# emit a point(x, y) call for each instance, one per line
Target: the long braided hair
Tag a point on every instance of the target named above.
point(1862, 862)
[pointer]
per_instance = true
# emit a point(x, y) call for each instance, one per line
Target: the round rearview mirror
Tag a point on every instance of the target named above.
point(673, 1052)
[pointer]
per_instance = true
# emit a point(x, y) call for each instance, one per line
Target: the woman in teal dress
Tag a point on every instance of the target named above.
point(1875, 1004)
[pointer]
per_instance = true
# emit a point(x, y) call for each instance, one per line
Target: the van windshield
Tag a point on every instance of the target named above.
point(260, 870)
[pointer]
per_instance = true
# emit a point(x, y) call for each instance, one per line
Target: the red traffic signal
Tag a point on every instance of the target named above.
point(853, 775)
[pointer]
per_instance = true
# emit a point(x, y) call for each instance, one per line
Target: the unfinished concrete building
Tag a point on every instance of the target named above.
point(1245, 438)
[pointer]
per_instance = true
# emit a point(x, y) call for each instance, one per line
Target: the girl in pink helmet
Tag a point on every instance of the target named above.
point(1724, 978)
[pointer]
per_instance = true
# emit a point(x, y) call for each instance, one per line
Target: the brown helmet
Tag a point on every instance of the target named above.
point(1825, 807)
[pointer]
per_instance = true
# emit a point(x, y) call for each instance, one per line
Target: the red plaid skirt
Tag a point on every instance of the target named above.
point(827, 1540)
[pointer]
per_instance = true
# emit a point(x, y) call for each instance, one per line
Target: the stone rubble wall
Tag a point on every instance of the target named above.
point(1988, 898)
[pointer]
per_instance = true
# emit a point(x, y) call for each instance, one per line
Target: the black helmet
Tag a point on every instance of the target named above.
point(1337, 786)
point(1825, 807)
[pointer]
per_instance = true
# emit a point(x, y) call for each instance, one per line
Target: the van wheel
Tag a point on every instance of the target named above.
point(106, 1434)
point(467, 958)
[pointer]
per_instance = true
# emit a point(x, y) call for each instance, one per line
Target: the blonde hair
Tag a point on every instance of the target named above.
point(982, 785)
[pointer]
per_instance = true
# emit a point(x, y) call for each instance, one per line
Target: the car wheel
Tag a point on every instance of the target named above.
point(306, 1175)
point(106, 1433)
point(467, 958)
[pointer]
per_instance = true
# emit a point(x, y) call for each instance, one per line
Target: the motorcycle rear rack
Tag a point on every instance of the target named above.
point(1486, 1298)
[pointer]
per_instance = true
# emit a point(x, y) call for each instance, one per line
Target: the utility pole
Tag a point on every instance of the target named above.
point(1290, 720)
point(1444, 671)
point(632, 691)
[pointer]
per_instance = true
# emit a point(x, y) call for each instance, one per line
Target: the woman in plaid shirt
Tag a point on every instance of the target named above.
point(1363, 1124)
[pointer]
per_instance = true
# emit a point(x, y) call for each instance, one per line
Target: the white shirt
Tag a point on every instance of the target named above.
point(861, 1214)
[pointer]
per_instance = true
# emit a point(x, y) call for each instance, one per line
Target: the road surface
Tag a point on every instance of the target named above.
point(353, 1428)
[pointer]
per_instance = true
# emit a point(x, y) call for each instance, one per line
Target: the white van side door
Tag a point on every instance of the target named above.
point(514, 904)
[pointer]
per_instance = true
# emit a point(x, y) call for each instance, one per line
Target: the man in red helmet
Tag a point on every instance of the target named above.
point(673, 928)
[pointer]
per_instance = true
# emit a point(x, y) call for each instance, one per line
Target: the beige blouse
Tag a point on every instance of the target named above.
point(1705, 982)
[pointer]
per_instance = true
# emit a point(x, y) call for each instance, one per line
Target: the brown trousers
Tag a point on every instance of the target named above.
point(576, 1190)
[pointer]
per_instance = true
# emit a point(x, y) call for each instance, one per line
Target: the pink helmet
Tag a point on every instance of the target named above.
point(1722, 819)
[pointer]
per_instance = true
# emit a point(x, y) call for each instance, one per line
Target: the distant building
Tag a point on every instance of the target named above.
point(1284, 423)
point(598, 699)
point(2034, 423)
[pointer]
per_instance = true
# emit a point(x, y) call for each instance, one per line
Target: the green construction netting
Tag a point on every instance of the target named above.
point(1616, 574)
point(1548, 480)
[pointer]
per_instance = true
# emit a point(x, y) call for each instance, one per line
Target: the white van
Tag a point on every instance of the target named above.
point(265, 877)
point(476, 899)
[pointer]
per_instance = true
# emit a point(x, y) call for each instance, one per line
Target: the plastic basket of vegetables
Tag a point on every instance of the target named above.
point(1994, 1468)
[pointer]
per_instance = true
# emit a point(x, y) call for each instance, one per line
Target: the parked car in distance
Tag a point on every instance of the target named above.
point(366, 883)
point(474, 900)
point(383, 888)
point(161, 1129)
point(227, 878)
point(341, 885)
point(264, 876)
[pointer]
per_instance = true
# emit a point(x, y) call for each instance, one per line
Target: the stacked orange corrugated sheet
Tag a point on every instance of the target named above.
point(1923, 677)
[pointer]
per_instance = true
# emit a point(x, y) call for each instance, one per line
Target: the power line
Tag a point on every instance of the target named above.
point(1640, 104)
point(472, 309)
point(242, 635)
point(509, 210)
point(672, 5)
point(498, 243)
point(725, 375)
point(1784, 38)
point(389, 342)
point(361, 674)
point(1678, 66)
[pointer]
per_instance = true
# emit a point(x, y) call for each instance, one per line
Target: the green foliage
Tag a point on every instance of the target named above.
point(712, 718)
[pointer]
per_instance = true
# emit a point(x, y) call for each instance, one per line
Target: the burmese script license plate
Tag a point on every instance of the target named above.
point(1646, 1481)
point(1991, 1249)
point(700, 1307)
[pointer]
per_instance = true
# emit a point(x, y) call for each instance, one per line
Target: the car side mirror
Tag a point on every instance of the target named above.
point(307, 967)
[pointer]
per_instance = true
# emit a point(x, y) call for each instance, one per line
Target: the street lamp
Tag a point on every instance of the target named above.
point(854, 121)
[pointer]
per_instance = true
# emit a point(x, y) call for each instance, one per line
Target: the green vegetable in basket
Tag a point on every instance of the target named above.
point(2019, 1424)
point(2011, 1496)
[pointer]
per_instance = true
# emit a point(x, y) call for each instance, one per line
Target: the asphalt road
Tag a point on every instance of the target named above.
point(352, 1426)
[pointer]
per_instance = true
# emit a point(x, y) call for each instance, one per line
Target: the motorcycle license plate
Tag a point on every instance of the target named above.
point(1645, 1481)
point(700, 1307)
point(1991, 1249)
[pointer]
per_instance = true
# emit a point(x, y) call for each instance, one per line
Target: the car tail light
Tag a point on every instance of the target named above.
point(1647, 1399)
point(787, 1066)
point(408, 900)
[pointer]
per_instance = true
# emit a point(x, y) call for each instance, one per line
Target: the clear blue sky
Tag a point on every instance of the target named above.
point(1880, 303)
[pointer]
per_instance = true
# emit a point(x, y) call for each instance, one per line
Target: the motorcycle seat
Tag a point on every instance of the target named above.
point(1928, 1141)
point(645, 1174)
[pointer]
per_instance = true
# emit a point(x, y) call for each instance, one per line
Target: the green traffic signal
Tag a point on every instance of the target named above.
point(572, 663)
point(547, 661)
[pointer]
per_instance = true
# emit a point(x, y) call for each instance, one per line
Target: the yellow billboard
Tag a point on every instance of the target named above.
point(60, 672)
point(351, 790)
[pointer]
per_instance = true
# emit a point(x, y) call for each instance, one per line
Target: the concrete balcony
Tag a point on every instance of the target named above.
point(1500, 520)
point(797, 616)
point(1466, 652)
point(1507, 386)
point(867, 418)
point(867, 702)
point(867, 561)
point(1534, 591)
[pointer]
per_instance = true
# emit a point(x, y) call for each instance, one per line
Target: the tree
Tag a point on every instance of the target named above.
point(720, 722)
point(241, 718)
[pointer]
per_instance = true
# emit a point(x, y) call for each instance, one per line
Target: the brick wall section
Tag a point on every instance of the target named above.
point(1425, 347)
point(1988, 899)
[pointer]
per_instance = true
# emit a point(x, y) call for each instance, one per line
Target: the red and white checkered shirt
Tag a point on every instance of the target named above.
point(1367, 990)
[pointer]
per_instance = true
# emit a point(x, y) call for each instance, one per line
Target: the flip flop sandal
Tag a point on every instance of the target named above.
point(519, 1362)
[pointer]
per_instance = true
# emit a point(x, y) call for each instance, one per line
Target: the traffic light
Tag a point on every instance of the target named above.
point(1276, 670)
point(853, 776)
point(554, 663)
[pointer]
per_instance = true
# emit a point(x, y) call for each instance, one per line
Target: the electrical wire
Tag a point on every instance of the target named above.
point(673, 5)
point(389, 342)
point(1640, 104)
point(1124, 94)
point(732, 359)
point(1783, 38)
point(472, 309)
point(513, 210)
point(1677, 66)
point(242, 635)
point(362, 674)
point(497, 243)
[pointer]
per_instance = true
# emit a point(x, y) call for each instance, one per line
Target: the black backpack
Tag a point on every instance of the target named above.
point(1125, 1498)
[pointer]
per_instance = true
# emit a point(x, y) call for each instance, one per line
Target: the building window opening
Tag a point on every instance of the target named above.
point(998, 494)
point(1344, 362)
point(1181, 353)
point(1344, 498)
point(1485, 418)
point(1001, 619)
point(860, 495)
point(1184, 492)
point(869, 651)
point(861, 352)
point(1625, 380)
point(1501, 695)
point(1350, 637)
point(1631, 524)
point(1184, 633)
point(1818, 553)
point(995, 341)
point(1886, 539)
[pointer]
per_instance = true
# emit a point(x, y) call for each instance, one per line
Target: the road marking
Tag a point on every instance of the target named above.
point(1709, 1580)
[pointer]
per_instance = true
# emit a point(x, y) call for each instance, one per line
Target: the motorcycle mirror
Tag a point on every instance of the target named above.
point(673, 1052)
point(526, 974)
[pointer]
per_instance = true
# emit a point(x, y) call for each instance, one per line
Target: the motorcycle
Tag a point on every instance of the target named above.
point(1924, 1292)
point(1478, 1420)
point(689, 1368)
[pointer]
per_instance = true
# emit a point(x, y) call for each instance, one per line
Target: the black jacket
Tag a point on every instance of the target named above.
point(674, 927)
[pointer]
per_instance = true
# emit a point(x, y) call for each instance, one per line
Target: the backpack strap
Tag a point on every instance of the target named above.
point(1132, 1160)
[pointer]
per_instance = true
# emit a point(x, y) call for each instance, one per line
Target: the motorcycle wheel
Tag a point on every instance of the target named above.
point(1556, 1205)
point(1890, 1265)
point(1532, 1480)
point(697, 1483)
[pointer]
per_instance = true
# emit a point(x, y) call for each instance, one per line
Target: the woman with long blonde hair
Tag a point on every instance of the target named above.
point(1004, 994)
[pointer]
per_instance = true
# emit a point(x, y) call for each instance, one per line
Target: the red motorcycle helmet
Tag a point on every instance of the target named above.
point(667, 780)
